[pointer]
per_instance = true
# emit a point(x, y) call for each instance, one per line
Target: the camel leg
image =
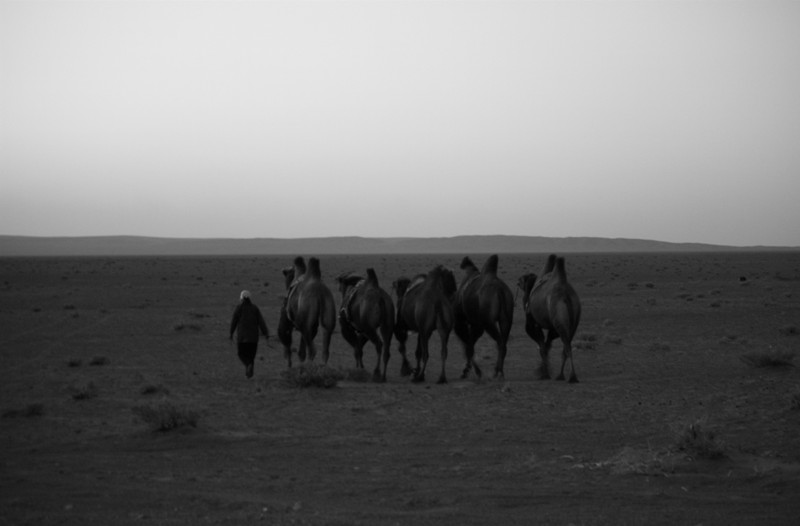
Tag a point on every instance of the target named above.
point(386, 342)
point(422, 358)
point(444, 336)
point(405, 367)
point(358, 350)
point(500, 337)
point(373, 337)
point(326, 345)
point(285, 336)
point(567, 355)
point(544, 350)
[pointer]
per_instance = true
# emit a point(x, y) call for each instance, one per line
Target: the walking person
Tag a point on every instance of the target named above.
point(247, 322)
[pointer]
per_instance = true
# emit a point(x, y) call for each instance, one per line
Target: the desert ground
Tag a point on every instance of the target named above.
point(687, 410)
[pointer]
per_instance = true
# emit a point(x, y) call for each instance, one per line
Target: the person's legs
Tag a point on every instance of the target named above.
point(247, 355)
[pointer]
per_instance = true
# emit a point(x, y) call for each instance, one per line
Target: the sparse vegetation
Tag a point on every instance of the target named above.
point(74, 362)
point(194, 327)
point(586, 342)
point(788, 330)
point(86, 392)
point(795, 405)
point(166, 416)
point(98, 361)
point(154, 389)
point(310, 375)
point(700, 442)
point(29, 411)
point(769, 358)
point(659, 347)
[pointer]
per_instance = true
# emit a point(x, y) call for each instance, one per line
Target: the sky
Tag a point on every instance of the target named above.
point(672, 120)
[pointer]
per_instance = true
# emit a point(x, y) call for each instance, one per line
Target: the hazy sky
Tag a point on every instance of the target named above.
point(668, 120)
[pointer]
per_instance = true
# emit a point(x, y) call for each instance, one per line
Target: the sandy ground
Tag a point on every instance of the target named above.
point(85, 341)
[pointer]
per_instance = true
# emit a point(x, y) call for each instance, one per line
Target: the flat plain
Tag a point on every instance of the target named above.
point(687, 410)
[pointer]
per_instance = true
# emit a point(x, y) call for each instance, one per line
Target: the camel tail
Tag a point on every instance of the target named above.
point(561, 271)
point(490, 267)
point(313, 268)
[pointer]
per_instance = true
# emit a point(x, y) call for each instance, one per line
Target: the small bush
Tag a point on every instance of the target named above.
point(659, 347)
point(196, 327)
point(99, 360)
point(310, 375)
point(795, 404)
point(86, 392)
point(788, 330)
point(769, 358)
point(74, 362)
point(700, 443)
point(154, 389)
point(29, 411)
point(166, 416)
point(586, 342)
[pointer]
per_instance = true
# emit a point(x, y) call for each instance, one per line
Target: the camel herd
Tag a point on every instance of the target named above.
point(428, 303)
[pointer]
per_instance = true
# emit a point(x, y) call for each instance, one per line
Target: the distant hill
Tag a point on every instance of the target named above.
point(156, 246)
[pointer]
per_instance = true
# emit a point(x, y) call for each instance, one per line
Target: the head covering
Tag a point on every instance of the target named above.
point(244, 295)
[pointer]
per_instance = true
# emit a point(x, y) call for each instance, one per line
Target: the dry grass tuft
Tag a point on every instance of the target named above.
point(166, 416)
point(86, 392)
point(154, 389)
point(29, 411)
point(769, 358)
point(700, 442)
point(311, 375)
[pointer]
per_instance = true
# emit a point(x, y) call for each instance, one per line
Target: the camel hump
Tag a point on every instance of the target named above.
point(467, 263)
point(299, 266)
point(313, 268)
point(561, 270)
point(372, 277)
point(550, 264)
point(490, 267)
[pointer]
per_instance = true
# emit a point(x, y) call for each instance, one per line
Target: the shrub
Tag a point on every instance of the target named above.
point(154, 389)
point(166, 416)
point(86, 392)
point(586, 342)
point(99, 360)
point(30, 410)
point(196, 327)
point(788, 330)
point(769, 358)
point(700, 442)
point(310, 375)
point(74, 362)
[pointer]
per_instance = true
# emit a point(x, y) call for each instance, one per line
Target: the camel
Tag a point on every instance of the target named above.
point(551, 306)
point(424, 305)
point(308, 306)
point(484, 303)
point(367, 314)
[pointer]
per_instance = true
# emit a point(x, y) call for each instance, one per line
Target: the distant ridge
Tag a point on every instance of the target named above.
point(157, 246)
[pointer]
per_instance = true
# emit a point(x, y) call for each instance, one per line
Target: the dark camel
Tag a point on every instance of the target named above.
point(484, 303)
point(308, 306)
point(367, 314)
point(424, 305)
point(551, 306)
